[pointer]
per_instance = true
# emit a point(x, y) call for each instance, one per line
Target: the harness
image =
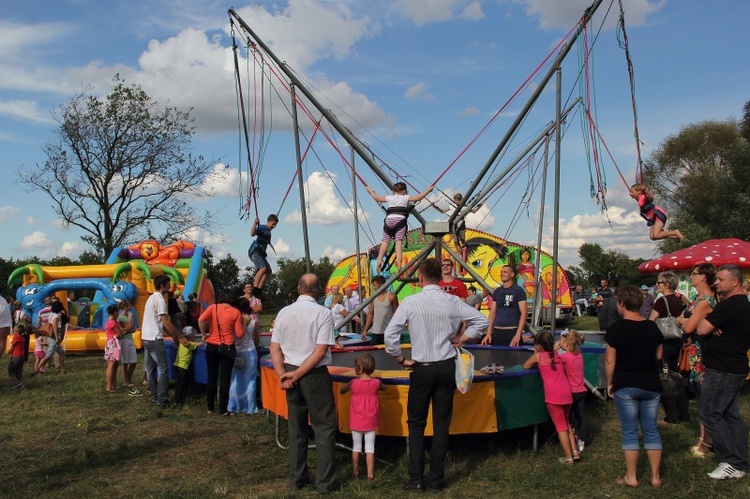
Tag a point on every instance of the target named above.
point(397, 210)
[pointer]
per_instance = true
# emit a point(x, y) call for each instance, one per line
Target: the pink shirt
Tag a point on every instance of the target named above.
point(364, 408)
point(556, 387)
point(109, 328)
point(573, 363)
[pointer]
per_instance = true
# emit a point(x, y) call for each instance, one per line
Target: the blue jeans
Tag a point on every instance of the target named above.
point(638, 406)
point(157, 370)
point(719, 410)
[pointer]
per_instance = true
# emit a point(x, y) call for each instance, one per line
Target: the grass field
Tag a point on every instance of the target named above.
point(63, 436)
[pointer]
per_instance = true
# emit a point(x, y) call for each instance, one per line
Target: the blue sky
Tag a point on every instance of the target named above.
point(415, 79)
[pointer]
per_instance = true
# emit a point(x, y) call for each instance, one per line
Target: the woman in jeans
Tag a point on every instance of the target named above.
point(220, 324)
point(634, 346)
point(670, 303)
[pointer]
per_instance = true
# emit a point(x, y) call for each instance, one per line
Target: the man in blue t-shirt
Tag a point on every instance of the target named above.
point(508, 311)
point(725, 340)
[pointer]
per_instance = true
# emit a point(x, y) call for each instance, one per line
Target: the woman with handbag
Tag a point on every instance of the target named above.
point(242, 390)
point(667, 307)
point(702, 277)
point(220, 325)
point(634, 346)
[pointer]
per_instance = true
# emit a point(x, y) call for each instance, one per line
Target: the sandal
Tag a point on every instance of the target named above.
point(576, 455)
point(489, 369)
point(566, 461)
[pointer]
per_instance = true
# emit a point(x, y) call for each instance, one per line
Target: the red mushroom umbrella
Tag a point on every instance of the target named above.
point(716, 251)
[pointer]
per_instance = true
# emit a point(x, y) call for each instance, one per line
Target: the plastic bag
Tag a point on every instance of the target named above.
point(464, 369)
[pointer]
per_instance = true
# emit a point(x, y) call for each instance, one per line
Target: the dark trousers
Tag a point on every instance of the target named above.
point(577, 414)
point(183, 378)
point(719, 410)
point(434, 383)
point(218, 369)
point(312, 396)
point(675, 409)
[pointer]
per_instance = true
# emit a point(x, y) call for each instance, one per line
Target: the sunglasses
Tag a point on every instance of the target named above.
point(660, 282)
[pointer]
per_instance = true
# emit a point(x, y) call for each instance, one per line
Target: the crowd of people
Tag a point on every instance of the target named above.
point(229, 329)
point(711, 354)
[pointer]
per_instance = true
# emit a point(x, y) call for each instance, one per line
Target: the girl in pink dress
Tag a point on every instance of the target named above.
point(557, 393)
point(112, 348)
point(364, 411)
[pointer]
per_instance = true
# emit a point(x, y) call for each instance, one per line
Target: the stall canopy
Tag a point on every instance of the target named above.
point(716, 251)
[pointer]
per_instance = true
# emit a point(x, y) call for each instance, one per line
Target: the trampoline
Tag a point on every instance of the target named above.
point(496, 402)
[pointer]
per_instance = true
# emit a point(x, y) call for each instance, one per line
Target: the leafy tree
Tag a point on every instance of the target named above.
point(120, 169)
point(615, 266)
point(701, 176)
point(291, 270)
point(224, 274)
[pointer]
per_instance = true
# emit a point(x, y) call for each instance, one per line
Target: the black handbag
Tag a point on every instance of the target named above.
point(671, 382)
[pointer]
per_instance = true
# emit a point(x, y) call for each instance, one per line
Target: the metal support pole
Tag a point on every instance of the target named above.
point(535, 313)
point(556, 232)
point(300, 181)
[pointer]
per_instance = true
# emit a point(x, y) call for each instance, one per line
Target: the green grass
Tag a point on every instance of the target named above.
point(63, 436)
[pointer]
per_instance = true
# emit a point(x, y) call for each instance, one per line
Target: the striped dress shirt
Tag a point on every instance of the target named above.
point(434, 317)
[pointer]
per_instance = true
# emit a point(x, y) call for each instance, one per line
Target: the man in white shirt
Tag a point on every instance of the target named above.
point(433, 316)
point(155, 322)
point(300, 351)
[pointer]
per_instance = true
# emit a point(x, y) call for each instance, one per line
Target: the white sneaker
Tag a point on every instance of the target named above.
point(725, 471)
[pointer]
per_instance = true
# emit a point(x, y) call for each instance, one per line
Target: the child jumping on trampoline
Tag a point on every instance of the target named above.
point(397, 210)
point(258, 252)
point(656, 216)
point(364, 412)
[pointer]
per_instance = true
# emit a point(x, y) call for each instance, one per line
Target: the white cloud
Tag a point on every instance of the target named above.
point(7, 212)
point(37, 240)
point(225, 181)
point(30, 220)
point(473, 11)
point(418, 90)
point(468, 111)
point(71, 249)
point(556, 14)
point(25, 110)
point(335, 254)
point(191, 70)
point(422, 12)
point(283, 249)
point(324, 206)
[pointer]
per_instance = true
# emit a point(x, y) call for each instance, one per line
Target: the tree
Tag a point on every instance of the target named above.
point(120, 169)
point(615, 266)
point(700, 175)
point(224, 274)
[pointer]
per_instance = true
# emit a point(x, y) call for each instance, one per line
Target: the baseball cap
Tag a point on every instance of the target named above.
point(643, 286)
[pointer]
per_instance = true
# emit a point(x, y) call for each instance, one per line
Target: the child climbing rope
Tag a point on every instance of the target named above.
point(397, 210)
point(656, 217)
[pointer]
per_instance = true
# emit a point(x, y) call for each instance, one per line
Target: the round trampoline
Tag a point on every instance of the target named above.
point(496, 402)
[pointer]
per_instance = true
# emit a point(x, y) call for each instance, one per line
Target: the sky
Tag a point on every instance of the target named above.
point(417, 80)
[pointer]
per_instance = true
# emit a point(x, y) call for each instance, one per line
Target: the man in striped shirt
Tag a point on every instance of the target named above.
point(433, 317)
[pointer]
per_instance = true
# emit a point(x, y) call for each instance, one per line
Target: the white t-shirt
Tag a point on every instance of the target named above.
point(396, 200)
point(338, 316)
point(300, 328)
point(152, 327)
point(6, 319)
